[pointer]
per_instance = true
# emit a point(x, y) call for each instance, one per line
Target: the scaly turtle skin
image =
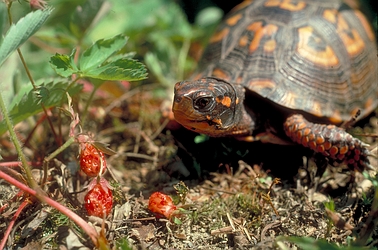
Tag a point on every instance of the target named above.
point(285, 71)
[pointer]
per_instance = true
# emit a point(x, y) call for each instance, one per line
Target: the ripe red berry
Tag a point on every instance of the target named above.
point(162, 204)
point(91, 160)
point(99, 199)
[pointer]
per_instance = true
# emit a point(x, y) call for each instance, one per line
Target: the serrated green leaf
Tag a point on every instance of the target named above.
point(64, 65)
point(21, 31)
point(3, 19)
point(26, 103)
point(84, 16)
point(123, 69)
point(128, 55)
point(100, 51)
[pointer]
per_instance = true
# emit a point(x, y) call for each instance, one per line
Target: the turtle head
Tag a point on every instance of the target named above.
point(211, 106)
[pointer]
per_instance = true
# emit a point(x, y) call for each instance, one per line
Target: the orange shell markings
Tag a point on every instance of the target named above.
point(258, 85)
point(217, 37)
point(270, 46)
point(220, 74)
point(324, 58)
point(369, 103)
point(286, 4)
point(234, 19)
point(260, 32)
point(354, 44)
point(336, 117)
point(330, 15)
point(366, 25)
point(243, 41)
point(242, 5)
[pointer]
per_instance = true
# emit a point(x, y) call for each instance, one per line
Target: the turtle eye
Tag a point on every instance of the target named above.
point(204, 104)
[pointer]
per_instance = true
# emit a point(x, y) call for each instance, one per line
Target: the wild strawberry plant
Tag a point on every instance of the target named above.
point(103, 60)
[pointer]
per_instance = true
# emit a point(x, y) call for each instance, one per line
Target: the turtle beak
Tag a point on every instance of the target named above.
point(182, 104)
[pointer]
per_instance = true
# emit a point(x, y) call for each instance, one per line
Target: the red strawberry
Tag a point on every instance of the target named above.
point(92, 160)
point(99, 199)
point(162, 204)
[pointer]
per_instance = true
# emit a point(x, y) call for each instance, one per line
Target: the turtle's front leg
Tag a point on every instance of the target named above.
point(330, 140)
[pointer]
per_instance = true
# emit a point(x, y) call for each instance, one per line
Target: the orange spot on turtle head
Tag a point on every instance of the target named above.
point(226, 101)
point(217, 121)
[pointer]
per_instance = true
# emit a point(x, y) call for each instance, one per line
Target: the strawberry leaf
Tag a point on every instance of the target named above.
point(27, 102)
point(100, 51)
point(21, 31)
point(64, 65)
point(122, 69)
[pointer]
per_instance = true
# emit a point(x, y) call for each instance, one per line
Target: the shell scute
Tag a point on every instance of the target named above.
point(313, 56)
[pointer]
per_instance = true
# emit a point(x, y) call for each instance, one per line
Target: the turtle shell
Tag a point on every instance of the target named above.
point(319, 57)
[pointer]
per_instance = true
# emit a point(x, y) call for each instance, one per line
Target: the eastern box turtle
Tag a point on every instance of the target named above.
point(285, 71)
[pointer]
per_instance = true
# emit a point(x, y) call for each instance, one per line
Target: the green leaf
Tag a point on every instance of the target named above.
point(27, 102)
point(3, 19)
point(122, 69)
point(100, 51)
point(21, 31)
point(200, 138)
point(308, 243)
point(177, 221)
point(64, 65)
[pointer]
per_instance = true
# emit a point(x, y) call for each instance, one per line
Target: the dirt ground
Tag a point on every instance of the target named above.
point(239, 195)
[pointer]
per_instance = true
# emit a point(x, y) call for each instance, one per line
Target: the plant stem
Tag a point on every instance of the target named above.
point(60, 149)
point(11, 223)
point(64, 210)
point(30, 76)
point(53, 155)
point(17, 144)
